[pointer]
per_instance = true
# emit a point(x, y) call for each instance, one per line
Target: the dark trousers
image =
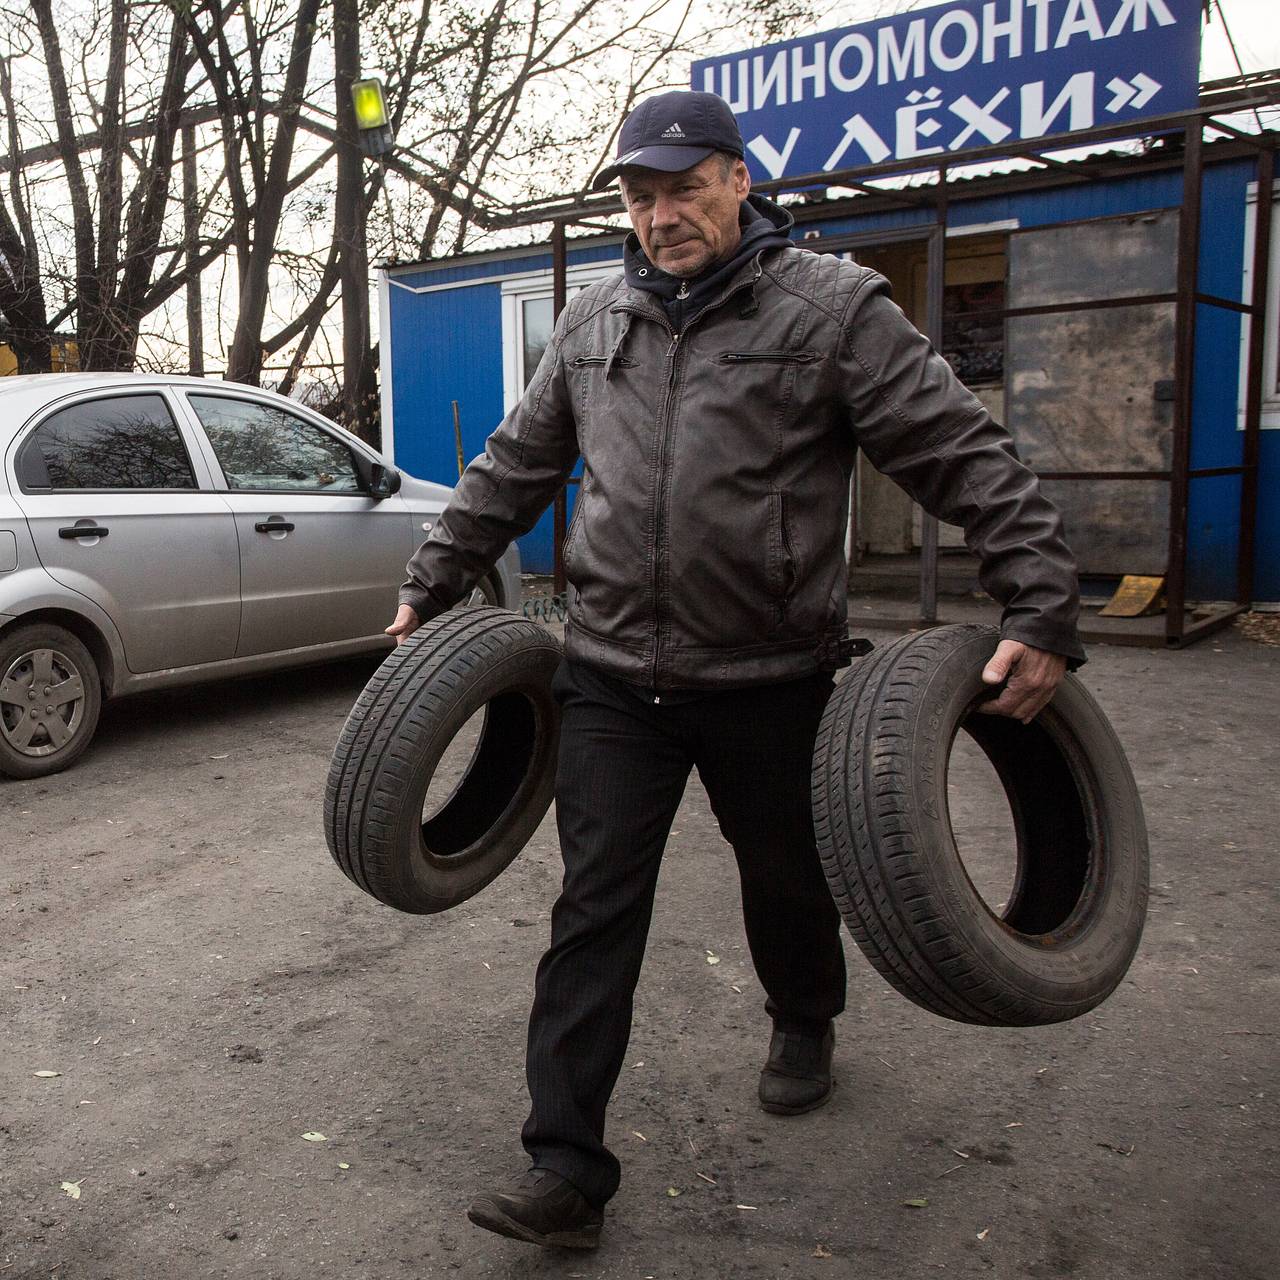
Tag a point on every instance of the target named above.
point(622, 770)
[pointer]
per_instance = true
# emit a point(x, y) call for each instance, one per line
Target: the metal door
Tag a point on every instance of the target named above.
point(120, 513)
point(320, 560)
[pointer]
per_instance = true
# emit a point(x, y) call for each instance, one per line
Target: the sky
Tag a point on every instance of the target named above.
point(1255, 25)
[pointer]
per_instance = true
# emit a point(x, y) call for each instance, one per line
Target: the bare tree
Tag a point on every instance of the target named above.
point(493, 105)
point(22, 296)
point(116, 253)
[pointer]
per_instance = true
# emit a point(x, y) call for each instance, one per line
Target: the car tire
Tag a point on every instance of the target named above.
point(1075, 914)
point(420, 698)
point(50, 699)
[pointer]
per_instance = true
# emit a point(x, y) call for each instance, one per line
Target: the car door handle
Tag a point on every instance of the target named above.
point(84, 531)
point(274, 526)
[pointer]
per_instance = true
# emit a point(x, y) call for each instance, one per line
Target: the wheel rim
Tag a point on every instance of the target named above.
point(42, 700)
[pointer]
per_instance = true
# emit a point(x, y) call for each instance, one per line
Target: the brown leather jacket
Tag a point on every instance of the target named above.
point(707, 543)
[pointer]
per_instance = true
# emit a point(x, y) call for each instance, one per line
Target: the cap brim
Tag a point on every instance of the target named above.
point(664, 159)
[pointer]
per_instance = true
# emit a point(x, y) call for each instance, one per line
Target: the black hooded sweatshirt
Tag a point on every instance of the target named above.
point(764, 226)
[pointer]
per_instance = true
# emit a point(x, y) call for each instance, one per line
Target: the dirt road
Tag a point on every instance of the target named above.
point(214, 997)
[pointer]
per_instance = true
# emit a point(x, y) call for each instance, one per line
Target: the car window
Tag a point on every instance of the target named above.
point(260, 446)
point(118, 442)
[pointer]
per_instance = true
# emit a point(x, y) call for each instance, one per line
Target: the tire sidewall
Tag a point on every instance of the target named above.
point(1077, 966)
point(47, 635)
point(526, 671)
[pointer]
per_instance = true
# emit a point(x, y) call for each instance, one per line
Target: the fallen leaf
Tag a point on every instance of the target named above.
point(314, 1137)
point(72, 1189)
point(738, 990)
point(674, 1191)
point(712, 958)
point(820, 1251)
point(1017, 1124)
point(982, 1235)
point(746, 1206)
point(342, 1164)
point(919, 1203)
point(47, 1075)
point(635, 1133)
point(225, 756)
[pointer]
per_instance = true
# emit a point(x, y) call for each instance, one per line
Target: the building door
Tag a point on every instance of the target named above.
point(888, 522)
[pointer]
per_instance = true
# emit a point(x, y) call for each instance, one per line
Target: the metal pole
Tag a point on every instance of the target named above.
point(936, 270)
point(1183, 368)
point(559, 296)
point(1253, 384)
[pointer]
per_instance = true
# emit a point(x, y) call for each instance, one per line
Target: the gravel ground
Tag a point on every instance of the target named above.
point(261, 1072)
point(1262, 627)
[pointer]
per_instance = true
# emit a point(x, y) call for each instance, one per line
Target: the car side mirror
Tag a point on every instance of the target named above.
point(383, 481)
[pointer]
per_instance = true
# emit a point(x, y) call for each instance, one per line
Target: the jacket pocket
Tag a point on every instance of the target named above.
point(587, 362)
point(571, 535)
point(769, 357)
point(784, 569)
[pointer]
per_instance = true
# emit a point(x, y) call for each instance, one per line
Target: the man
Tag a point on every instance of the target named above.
point(716, 393)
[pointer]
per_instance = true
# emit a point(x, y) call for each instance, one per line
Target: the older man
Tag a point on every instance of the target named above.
point(716, 392)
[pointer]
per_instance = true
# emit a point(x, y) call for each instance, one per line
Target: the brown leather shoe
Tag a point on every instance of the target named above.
point(797, 1077)
point(542, 1208)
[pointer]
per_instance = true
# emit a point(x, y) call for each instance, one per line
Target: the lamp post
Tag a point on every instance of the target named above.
point(373, 124)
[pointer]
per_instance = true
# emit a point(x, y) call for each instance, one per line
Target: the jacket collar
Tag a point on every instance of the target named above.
point(644, 302)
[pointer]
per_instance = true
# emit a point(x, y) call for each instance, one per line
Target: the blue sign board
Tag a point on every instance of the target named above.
point(954, 76)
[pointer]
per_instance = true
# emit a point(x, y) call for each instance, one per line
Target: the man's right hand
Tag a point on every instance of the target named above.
point(406, 623)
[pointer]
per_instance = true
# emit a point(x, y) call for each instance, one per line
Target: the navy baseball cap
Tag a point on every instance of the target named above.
point(673, 132)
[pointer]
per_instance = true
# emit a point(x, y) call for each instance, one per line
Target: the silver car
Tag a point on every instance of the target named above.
point(158, 531)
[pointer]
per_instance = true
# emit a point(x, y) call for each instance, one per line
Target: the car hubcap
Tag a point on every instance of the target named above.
point(41, 702)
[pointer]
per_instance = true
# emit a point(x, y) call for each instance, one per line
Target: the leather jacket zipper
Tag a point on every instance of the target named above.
point(659, 530)
point(663, 425)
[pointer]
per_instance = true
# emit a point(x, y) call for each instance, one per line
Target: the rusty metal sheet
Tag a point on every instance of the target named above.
point(1093, 261)
point(1092, 390)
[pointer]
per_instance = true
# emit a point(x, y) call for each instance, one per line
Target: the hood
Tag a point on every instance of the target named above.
point(764, 226)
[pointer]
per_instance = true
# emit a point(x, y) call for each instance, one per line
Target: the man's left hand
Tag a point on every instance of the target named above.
point(1033, 676)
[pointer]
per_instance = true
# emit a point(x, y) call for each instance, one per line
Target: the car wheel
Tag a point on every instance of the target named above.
point(50, 697)
point(1065, 937)
point(480, 676)
point(483, 593)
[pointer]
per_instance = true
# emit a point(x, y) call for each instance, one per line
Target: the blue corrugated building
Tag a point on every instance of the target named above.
point(1058, 309)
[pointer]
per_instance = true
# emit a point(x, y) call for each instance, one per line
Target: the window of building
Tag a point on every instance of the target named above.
point(1271, 344)
point(118, 442)
point(261, 447)
point(528, 322)
point(537, 320)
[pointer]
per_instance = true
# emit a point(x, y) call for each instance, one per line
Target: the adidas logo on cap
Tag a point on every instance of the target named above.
point(675, 132)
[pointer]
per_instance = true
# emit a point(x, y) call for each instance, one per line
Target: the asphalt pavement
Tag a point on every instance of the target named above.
point(221, 1059)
